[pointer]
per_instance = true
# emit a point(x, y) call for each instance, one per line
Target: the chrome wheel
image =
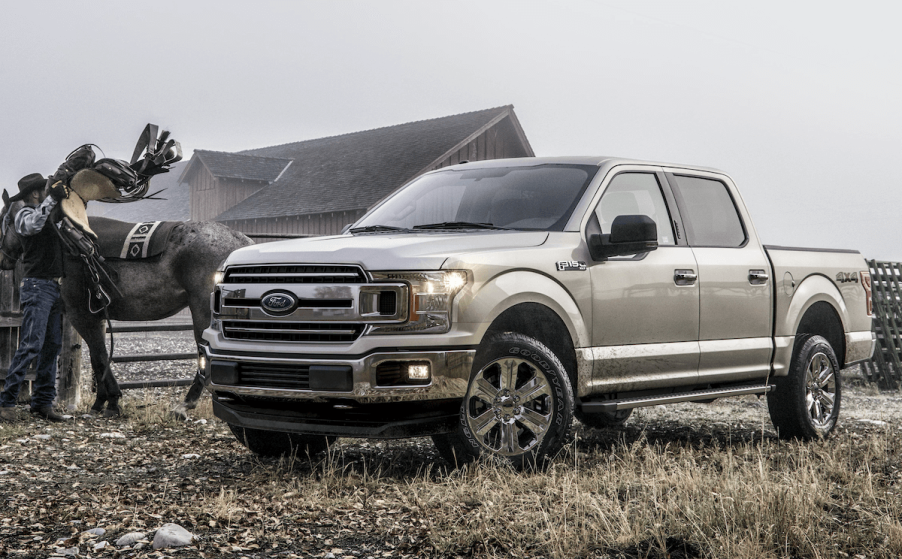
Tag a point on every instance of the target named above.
point(820, 390)
point(509, 406)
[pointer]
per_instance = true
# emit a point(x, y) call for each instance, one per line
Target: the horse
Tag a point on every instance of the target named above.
point(152, 289)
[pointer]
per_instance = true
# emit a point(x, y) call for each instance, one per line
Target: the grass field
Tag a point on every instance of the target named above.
point(687, 480)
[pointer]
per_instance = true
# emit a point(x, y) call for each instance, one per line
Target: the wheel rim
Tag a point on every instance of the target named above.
point(820, 390)
point(509, 406)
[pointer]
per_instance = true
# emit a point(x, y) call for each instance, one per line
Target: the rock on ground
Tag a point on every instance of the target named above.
point(172, 535)
point(129, 539)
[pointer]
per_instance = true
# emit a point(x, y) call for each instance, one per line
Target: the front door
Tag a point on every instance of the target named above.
point(645, 315)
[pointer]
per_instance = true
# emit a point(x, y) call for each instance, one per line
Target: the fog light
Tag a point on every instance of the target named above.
point(403, 373)
point(202, 361)
point(418, 372)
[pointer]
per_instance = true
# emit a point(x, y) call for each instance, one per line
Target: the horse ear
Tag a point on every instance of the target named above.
point(5, 198)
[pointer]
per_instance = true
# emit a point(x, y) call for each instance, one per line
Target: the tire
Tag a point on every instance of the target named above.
point(604, 420)
point(277, 443)
point(518, 407)
point(805, 404)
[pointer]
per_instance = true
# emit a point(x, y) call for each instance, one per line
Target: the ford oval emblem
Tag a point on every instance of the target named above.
point(279, 302)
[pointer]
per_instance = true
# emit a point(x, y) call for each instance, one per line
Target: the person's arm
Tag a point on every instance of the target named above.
point(30, 221)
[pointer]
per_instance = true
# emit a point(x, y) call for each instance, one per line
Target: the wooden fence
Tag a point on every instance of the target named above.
point(161, 326)
point(69, 365)
point(69, 370)
point(885, 369)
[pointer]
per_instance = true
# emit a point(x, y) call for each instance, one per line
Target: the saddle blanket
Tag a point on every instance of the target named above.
point(131, 241)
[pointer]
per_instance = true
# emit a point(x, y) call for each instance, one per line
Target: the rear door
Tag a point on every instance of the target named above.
point(736, 308)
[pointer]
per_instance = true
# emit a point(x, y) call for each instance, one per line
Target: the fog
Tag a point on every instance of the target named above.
point(798, 102)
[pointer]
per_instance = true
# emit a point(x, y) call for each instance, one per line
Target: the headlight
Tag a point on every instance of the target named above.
point(218, 276)
point(431, 297)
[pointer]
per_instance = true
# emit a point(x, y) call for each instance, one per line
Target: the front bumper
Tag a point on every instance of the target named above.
point(373, 421)
point(363, 409)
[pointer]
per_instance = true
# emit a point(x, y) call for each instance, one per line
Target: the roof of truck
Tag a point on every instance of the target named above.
point(598, 160)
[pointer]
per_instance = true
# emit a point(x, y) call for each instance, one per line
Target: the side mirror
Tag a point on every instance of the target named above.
point(630, 234)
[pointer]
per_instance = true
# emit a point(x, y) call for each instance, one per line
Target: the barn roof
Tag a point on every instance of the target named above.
point(354, 171)
point(174, 203)
point(243, 167)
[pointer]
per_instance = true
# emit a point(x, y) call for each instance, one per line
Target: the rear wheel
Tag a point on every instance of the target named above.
point(277, 443)
point(518, 406)
point(805, 404)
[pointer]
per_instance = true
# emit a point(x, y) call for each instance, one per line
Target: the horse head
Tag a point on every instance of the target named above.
point(10, 242)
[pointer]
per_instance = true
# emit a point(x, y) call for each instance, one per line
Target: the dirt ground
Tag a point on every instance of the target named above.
point(365, 499)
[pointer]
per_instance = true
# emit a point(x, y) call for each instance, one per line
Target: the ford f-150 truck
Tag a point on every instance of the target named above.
point(486, 304)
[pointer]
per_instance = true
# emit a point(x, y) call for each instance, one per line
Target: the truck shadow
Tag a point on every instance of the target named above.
point(666, 432)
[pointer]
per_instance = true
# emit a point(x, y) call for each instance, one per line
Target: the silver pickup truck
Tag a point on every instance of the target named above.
point(487, 304)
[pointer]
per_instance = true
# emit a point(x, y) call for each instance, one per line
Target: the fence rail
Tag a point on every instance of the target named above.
point(885, 369)
point(152, 327)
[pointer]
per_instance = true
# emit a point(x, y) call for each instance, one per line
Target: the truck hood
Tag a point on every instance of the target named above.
point(405, 251)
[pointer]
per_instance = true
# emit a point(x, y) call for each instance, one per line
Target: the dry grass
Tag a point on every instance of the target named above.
point(685, 481)
point(638, 499)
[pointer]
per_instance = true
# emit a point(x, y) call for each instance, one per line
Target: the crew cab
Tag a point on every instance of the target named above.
point(487, 304)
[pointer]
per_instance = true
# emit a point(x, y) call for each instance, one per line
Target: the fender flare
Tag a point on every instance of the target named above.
point(813, 289)
point(512, 288)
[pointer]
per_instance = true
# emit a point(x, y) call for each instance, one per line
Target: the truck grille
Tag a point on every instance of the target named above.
point(294, 274)
point(314, 303)
point(292, 377)
point(282, 331)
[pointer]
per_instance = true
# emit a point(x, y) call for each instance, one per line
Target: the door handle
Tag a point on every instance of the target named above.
point(758, 277)
point(684, 277)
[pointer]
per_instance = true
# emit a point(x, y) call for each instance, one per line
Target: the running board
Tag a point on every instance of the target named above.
point(694, 396)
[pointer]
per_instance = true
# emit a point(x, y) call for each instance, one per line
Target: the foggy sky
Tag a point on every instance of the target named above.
point(798, 102)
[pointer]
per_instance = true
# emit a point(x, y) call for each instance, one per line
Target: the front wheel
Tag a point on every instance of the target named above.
point(518, 406)
point(277, 443)
point(805, 404)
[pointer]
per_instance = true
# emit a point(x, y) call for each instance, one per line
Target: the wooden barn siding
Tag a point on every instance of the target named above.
point(211, 196)
point(330, 223)
point(497, 142)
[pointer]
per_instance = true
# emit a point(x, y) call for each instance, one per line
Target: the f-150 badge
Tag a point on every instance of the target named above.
point(571, 266)
point(847, 277)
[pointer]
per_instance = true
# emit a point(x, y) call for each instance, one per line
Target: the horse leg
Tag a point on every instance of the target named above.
point(92, 330)
point(199, 305)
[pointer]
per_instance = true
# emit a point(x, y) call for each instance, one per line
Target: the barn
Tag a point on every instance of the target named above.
point(316, 187)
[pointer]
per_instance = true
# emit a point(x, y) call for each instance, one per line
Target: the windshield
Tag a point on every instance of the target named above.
point(536, 198)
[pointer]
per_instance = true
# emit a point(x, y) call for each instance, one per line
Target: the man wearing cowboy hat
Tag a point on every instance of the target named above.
point(41, 333)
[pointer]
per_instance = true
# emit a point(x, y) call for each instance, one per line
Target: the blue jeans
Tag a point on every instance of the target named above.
point(40, 336)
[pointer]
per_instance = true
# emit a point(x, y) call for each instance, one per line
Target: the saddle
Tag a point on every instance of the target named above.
point(97, 239)
point(111, 180)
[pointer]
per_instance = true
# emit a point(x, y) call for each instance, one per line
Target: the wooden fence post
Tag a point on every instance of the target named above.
point(68, 377)
point(10, 318)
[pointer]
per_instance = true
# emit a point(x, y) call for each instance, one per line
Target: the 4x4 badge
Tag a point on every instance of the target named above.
point(847, 277)
point(571, 266)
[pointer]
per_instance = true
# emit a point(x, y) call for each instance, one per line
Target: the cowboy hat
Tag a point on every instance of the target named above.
point(27, 184)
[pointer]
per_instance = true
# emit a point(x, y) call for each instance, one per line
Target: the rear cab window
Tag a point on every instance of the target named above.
point(709, 212)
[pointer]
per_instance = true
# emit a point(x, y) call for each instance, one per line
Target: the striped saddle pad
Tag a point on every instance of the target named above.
point(131, 241)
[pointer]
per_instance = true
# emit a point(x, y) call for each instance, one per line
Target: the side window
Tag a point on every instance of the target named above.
point(710, 216)
point(635, 194)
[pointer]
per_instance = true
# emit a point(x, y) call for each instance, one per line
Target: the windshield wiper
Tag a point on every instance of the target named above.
point(458, 225)
point(378, 229)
